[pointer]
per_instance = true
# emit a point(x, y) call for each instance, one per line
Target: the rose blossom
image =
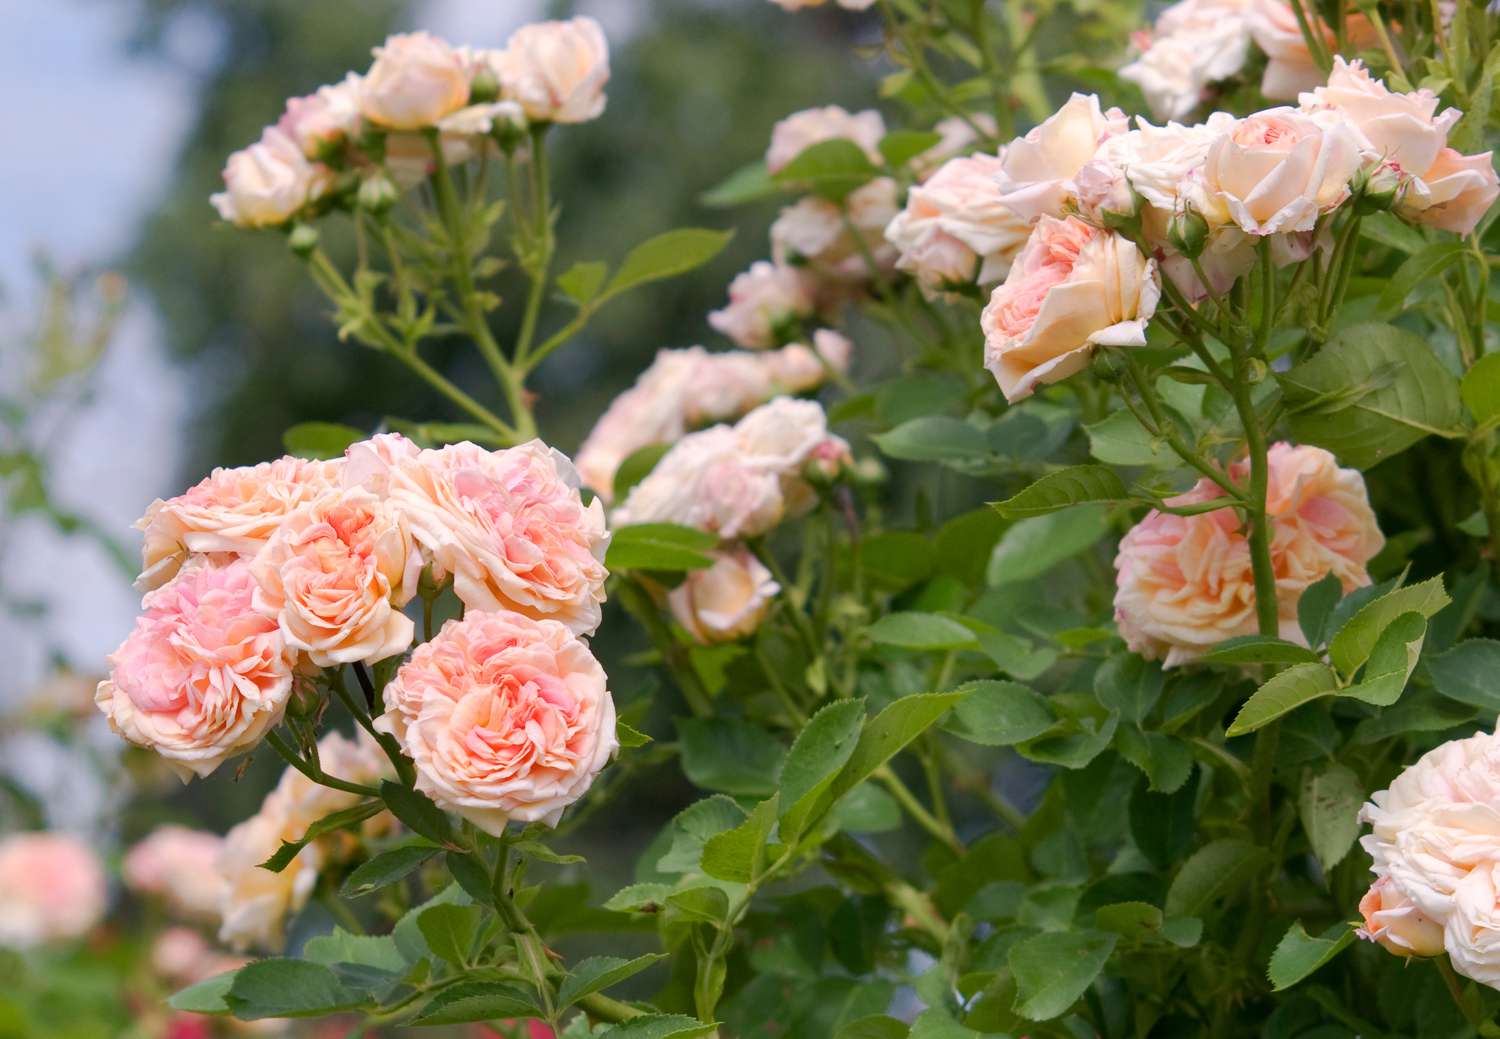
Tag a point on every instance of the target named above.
point(367, 463)
point(1472, 933)
point(327, 116)
point(1185, 583)
point(416, 80)
point(1278, 170)
point(956, 136)
point(725, 601)
point(203, 676)
point(814, 231)
point(504, 717)
point(1453, 194)
point(1193, 43)
point(801, 130)
point(1402, 129)
point(1394, 921)
point(231, 511)
point(556, 70)
point(179, 866)
point(1036, 177)
point(268, 183)
point(1072, 287)
point(52, 889)
point(335, 576)
point(762, 300)
point(796, 368)
point(956, 228)
point(1290, 66)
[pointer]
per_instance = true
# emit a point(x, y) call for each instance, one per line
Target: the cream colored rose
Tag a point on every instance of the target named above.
point(796, 368)
point(505, 718)
point(1394, 921)
point(268, 183)
point(52, 889)
point(326, 117)
point(1472, 934)
point(726, 601)
point(416, 80)
point(815, 232)
point(178, 866)
point(956, 228)
point(801, 130)
point(231, 511)
point(368, 463)
point(1278, 171)
point(1194, 43)
point(203, 676)
point(1453, 194)
point(1036, 177)
point(510, 527)
point(1405, 130)
point(762, 300)
point(1290, 66)
point(335, 575)
point(1073, 287)
point(957, 135)
point(556, 70)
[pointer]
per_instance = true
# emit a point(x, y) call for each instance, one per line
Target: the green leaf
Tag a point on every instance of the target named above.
point(340, 820)
point(1284, 693)
point(819, 752)
point(999, 714)
point(597, 973)
point(1075, 485)
point(417, 811)
point(1166, 760)
point(877, 1026)
point(1351, 647)
point(746, 184)
point(1390, 232)
point(664, 256)
point(730, 756)
point(320, 439)
point(478, 1001)
point(934, 438)
point(1480, 388)
point(1118, 439)
point(1316, 606)
point(1212, 872)
point(634, 898)
point(287, 988)
point(630, 737)
point(1297, 954)
point(1391, 661)
point(1329, 804)
point(1371, 392)
point(1129, 686)
point(386, 868)
point(1427, 264)
point(901, 146)
point(1031, 547)
point(658, 546)
point(660, 1026)
point(365, 950)
point(1258, 649)
point(920, 631)
point(582, 281)
point(472, 875)
point(738, 855)
point(884, 735)
point(408, 935)
point(1469, 673)
point(830, 169)
point(449, 931)
point(206, 997)
point(898, 559)
point(691, 829)
point(937, 1023)
point(1053, 971)
point(636, 467)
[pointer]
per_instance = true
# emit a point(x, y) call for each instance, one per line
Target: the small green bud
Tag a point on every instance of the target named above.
point(1108, 365)
point(484, 87)
point(1187, 232)
point(377, 193)
point(303, 239)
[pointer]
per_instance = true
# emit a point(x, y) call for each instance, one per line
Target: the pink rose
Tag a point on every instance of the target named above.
point(815, 232)
point(203, 676)
point(505, 718)
point(510, 527)
point(52, 889)
point(1194, 43)
point(1279, 170)
point(956, 227)
point(325, 117)
point(1185, 583)
point(1394, 921)
point(268, 183)
point(1073, 286)
point(1037, 171)
point(231, 511)
point(556, 70)
point(726, 601)
point(1453, 194)
point(335, 575)
point(1405, 130)
point(1290, 66)
point(801, 130)
point(178, 866)
point(368, 463)
point(762, 301)
point(796, 368)
point(416, 80)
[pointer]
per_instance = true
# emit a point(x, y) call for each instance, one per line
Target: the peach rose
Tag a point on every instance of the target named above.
point(268, 183)
point(231, 511)
point(506, 718)
point(956, 136)
point(1194, 43)
point(416, 80)
point(510, 527)
point(1185, 583)
point(556, 70)
point(814, 232)
point(1278, 171)
point(1073, 286)
point(1394, 921)
point(1453, 194)
point(1405, 130)
point(178, 866)
point(1036, 176)
point(801, 130)
point(1472, 933)
point(335, 576)
point(726, 601)
point(1290, 66)
point(956, 229)
point(762, 301)
point(796, 368)
point(52, 889)
point(325, 117)
point(204, 675)
point(368, 463)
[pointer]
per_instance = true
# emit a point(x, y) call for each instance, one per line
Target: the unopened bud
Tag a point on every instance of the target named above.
point(484, 87)
point(377, 193)
point(1108, 365)
point(303, 239)
point(508, 126)
point(1377, 189)
point(1187, 232)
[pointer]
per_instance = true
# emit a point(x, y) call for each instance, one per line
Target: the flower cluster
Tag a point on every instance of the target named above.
point(1185, 583)
point(360, 138)
point(1437, 859)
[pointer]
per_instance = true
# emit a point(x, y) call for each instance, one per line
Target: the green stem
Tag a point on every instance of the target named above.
point(291, 757)
point(919, 813)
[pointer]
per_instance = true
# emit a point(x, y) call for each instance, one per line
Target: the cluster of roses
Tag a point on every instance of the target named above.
point(362, 139)
point(260, 576)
